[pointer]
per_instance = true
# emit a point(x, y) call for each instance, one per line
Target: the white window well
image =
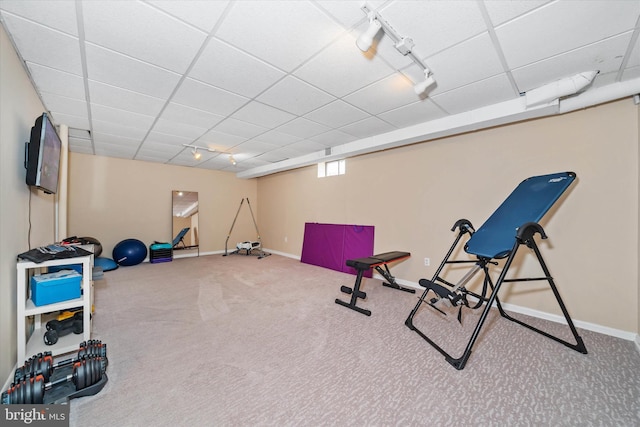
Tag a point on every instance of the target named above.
point(333, 168)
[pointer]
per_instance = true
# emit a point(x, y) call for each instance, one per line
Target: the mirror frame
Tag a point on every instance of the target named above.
point(185, 211)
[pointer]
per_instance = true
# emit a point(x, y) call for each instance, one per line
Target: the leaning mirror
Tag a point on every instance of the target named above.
point(185, 223)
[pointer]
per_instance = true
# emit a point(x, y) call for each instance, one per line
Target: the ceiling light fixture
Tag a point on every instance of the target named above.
point(365, 40)
point(194, 150)
point(232, 160)
point(426, 84)
point(404, 45)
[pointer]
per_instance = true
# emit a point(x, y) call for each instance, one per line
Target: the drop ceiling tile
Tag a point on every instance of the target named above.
point(244, 164)
point(435, 25)
point(117, 130)
point(255, 147)
point(130, 144)
point(289, 31)
point(45, 46)
point(54, 102)
point(120, 117)
point(220, 140)
point(163, 138)
point(345, 13)
point(277, 138)
point(238, 127)
point(143, 32)
point(367, 127)
point(295, 96)
point(157, 152)
point(412, 114)
point(274, 156)
point(170, 150)
point(117, 97)
point(384, 95)
point(631, 73)
point(262, 115)
point(220, 163)
point(190, 116)
point(336, 114)
point(60, 118)
point(203, 14)
point(185, 158)
point(333, 138)
point(502, 11)
point(605, 56)
point(83, 146)
point(303, 147)
point(356, 69)
point(208, 98)
point(634, 55)
point(58, 82)
point(59, 15)
point(472, 60)
point(152, 158)
point(79, 133)
point(302, 128)
point(480, 94)
point(562, 26)
point(179, 129)
point(112, 68)
point(241, 73)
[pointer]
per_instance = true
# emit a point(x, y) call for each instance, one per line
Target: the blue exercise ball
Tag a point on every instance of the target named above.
point(129, 252)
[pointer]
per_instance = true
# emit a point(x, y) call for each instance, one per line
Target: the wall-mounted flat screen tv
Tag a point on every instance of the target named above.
point(43, 156)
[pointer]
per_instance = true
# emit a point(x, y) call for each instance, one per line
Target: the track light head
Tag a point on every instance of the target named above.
point(365, 40)
point(426, 84)
point(232, 160)
point(197, 154)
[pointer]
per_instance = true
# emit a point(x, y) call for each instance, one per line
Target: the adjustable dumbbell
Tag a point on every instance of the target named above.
point(60, 328)
point(42, 363)
point(29, 390)
point(87, 371)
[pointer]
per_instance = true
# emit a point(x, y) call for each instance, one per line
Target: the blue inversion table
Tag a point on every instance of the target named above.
point(513, 224)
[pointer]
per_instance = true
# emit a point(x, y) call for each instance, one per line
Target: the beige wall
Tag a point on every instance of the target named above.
point(19, 107)
point(413, 195)
point(114, 199)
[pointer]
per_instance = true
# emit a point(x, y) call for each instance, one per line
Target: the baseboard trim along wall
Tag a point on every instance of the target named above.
point(629, 336)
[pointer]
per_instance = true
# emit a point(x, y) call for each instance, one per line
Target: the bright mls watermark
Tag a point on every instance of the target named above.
point(35, 415)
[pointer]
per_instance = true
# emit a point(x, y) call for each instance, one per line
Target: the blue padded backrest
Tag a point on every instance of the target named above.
point(180, 235)
point(529, 202)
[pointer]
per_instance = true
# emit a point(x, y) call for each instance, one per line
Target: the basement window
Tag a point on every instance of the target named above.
point(336, 167)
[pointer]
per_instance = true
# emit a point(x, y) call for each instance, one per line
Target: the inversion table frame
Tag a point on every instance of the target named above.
point(364, 264)
point(513, 224)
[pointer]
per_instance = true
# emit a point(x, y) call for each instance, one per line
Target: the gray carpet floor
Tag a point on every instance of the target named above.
point(241, 341)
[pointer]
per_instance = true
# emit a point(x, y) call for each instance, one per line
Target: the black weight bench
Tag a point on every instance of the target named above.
point(364, 264)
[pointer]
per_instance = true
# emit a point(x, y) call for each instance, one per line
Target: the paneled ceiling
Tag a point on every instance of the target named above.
point(280, 84)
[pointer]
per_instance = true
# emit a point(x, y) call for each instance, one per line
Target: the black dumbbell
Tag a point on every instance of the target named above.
point(31, 390)
point(43, 364)
point(60, 328)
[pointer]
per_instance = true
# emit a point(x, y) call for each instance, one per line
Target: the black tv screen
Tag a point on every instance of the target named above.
point(43, 156)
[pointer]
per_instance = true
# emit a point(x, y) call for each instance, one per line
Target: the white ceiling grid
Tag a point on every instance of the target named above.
point(271, 81)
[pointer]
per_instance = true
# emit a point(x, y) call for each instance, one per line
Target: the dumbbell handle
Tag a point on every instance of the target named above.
point(51, 384)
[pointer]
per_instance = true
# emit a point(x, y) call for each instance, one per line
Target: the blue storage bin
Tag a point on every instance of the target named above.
point(55, 287)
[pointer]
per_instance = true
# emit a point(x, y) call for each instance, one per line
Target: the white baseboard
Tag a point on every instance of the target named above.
point(629, 336)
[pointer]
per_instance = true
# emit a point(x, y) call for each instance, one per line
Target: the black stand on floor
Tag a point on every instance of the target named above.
point(364, 264)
